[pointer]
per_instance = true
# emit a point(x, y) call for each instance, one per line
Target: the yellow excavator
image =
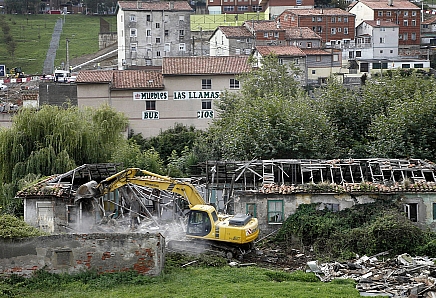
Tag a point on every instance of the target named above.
point(230, 233)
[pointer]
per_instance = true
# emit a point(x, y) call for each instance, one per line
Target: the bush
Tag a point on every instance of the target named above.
point(12, 227)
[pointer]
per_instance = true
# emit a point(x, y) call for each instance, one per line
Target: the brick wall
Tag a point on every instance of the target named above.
point(72, 253)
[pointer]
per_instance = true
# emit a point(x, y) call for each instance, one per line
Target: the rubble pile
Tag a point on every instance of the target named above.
point(404, 276)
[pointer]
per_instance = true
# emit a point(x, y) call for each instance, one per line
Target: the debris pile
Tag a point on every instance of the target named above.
point(404, 276)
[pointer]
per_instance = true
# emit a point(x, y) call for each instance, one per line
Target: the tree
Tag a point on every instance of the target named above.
point(272, 117)
point(54, 140)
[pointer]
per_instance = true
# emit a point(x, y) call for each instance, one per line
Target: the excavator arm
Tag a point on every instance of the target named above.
point(142, 178)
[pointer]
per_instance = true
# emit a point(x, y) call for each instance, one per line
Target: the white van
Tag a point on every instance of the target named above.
point(61, 76)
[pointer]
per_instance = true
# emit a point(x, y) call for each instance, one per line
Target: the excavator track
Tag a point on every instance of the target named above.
point(225, 250)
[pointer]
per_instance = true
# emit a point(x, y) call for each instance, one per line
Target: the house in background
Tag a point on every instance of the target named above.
point(401, 12)
point(303, 37)
point(428, 31)
point(231, 41)
point(273, 8)
point(334, 25)
point(266, 33)
point(149, 31)
point(233, 6)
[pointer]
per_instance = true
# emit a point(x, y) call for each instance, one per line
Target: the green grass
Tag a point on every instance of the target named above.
point(32, 33)
point(184, 282)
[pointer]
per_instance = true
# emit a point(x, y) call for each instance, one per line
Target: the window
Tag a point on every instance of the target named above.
point(318, 58)
point(150, 105)
point(405, 65)
point(339, 19)
point(405, 36)
point(206, 105)
point(411, 211)
point(133, 32)
point(251, 209)
point(313, 19)
point(380, 13)
point(388, 13)
point(148, 33)
point(345, 19)
point(335, 58)
point(256, 8)
point(280, 61)
point(148, 18)
point(382, 29)
point(229, 8)
point(309, 45)
point(157, 25)
point(413, 13)
point(332, 207)
point(132, 18)
point(265, 34)
point(238, 51)
point(313, 71)
point(406, 13)
point(413, 22)
point(166, 32)
point(418, 65)
point(296, 61)
point(345, 30)
point(381, 51)
point(167, 47)
point(358, 54)
point(413, 36)
point(206, 84)
point(157, 39)
point(276, 34)
point(391, 51)
point(319, 19)
point(166, 18)
point(234, 84)
point(319, 29)
point(181, 18)
point(406, 23)
point(333, 19)
point(158, 54)
point(382, 40)
point(434, 211)
point(339, 29)
point(275, 211)
point(243, 8)
point(133, 47)
point(298, 2)
point(182, 47)
point(350, 55)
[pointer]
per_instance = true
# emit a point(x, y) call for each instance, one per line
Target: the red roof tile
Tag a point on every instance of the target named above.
point(381, 24)
point(154, 5)
point(301, 33)
point(396, 4)
point(280, 51)
point(235, 31)
point(311, 52)
point(429, 20)
point(123, 79)
point(263, 26)
point(94, 76)
point(205, 65)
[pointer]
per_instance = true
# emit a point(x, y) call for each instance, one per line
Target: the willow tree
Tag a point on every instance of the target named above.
point(54, 140)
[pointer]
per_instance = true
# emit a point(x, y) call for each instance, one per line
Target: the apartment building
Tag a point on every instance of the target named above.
point(149, 31)
point(334, 25)
point(401, 12)
point(233, 6)
point(231, 41)
point(275, 7)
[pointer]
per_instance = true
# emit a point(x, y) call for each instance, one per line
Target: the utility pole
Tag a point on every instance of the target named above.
point(67, 67)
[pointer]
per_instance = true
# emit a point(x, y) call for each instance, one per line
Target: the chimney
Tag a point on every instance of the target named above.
point(391, 2)
point(378, 22)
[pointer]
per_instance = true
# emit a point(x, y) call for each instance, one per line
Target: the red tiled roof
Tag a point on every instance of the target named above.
point(311, 52)
point(319, 11)
point(235, 31)
point(94, 76)
point(134, 79)
point(123, 79)
point(280, 51)
point(205, 65)
point(396, 4)
point(263, 25)
point(380, 23)
point(430, 20)
point(301, 33)
point(154, 5)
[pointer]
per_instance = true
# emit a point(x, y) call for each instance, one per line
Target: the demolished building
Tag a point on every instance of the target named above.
point(270, 190)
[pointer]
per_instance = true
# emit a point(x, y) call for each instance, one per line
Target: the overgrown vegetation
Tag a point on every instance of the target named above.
point(365, 229)
point(204, 276)
point(13, 227)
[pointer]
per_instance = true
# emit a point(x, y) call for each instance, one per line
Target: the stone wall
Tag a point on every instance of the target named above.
point(72, 253)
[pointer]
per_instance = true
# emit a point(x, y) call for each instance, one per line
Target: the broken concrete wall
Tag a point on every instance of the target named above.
point(288, 204)
point(72, 253)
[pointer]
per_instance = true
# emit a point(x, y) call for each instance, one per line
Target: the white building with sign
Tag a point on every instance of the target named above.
point(185, 91)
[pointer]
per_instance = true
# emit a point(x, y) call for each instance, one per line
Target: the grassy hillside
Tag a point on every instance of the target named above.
point(32, 34)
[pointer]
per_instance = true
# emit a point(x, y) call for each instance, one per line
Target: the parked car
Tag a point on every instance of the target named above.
point(3, 87)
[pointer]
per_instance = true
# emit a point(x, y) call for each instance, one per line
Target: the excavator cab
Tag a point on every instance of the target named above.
point(200, 222)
